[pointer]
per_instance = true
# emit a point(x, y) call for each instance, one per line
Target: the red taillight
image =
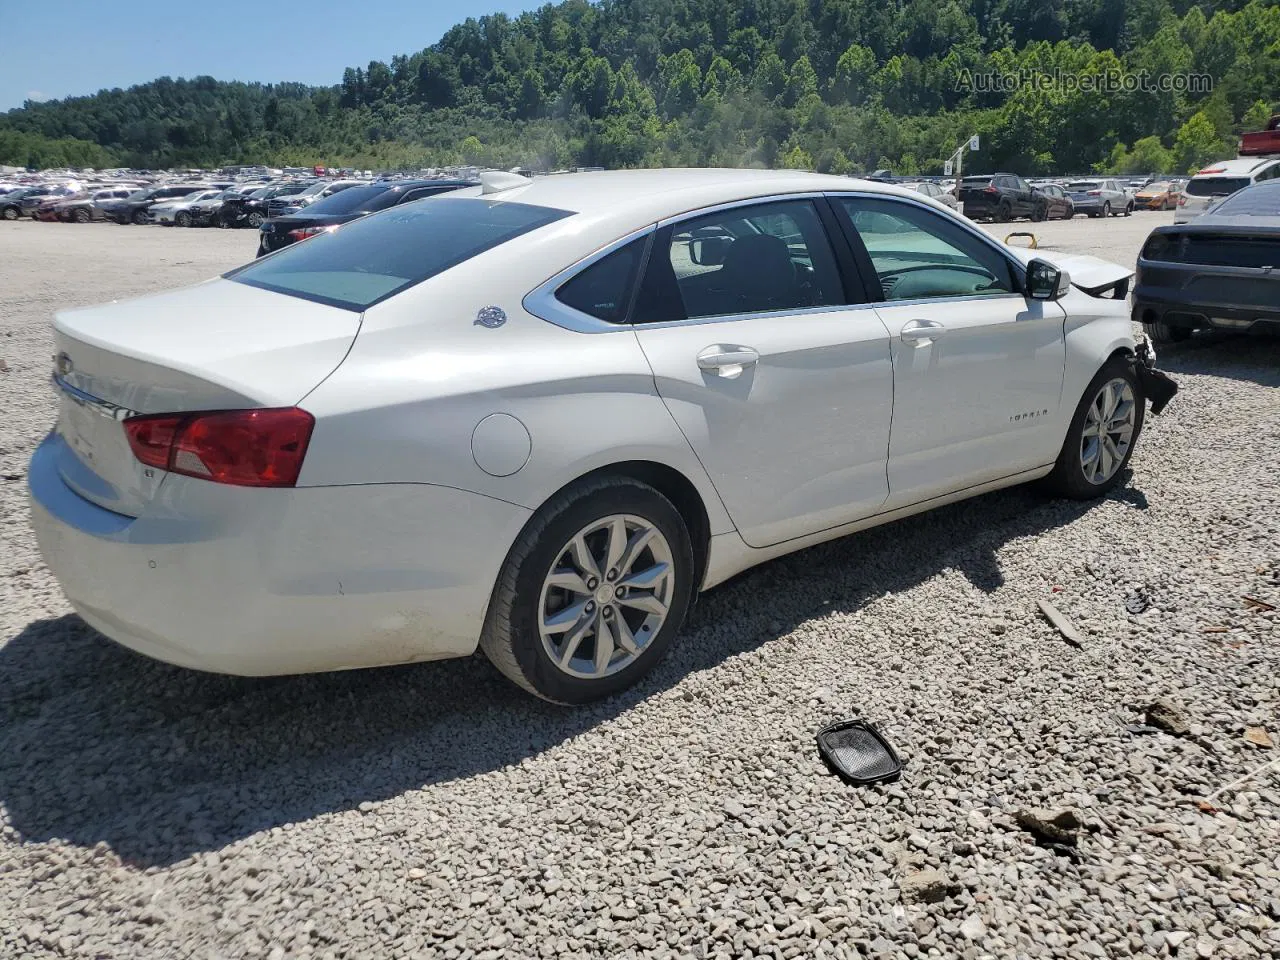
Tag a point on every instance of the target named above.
point(151, 438)
point(303, 232)
point(1182, 201)
point(248, 448)
point(1095, 193)
point(990, 190)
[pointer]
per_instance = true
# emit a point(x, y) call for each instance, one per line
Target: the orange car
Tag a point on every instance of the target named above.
point(1161, 195)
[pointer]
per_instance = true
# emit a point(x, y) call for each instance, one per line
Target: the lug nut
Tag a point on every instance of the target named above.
point(592, 583)
point(612, 575)
point(590, 606)
point(608, 612)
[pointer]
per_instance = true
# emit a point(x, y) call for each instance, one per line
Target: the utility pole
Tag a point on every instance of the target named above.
point(956, 163)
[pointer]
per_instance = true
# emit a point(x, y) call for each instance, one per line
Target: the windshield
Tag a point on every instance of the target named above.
point(371, 259)
point(288, 190)
point(314, 189)
point(356, 200)
point(1216, 186)
point(1262, 200)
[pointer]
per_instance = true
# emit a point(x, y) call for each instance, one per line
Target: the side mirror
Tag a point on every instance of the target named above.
point(709, 251)
point(1045, 281)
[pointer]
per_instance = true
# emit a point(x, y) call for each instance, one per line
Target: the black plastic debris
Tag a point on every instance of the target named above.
point(857, 753)
point(1137, 602)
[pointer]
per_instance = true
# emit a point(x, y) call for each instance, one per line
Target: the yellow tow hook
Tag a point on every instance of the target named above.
point(1034, 245)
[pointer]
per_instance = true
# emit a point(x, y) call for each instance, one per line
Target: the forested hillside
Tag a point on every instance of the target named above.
point(834, 85)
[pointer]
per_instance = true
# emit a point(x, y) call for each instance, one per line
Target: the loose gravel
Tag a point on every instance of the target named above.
point(435, 811)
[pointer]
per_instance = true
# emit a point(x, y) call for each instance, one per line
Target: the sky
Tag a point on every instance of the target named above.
point(77, 47)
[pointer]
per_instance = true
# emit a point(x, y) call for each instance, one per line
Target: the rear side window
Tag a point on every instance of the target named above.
point(603, 290)
point(378, 256)
point(744, 260)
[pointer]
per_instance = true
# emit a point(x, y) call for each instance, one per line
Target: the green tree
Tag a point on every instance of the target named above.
point(1197, 144)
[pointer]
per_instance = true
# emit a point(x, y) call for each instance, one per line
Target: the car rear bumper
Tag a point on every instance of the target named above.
point(277, 581)
point(1216, 302)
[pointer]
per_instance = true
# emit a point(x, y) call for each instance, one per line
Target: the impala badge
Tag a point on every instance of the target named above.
point(491, 317)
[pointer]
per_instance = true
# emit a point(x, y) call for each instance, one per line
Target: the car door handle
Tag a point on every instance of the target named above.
point(725, 360)
point(918, 330)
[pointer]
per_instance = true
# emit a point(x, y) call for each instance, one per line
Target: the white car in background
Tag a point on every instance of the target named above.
point(933, 191)
point(1220, 180)
point(178, 212)
point(539, 417)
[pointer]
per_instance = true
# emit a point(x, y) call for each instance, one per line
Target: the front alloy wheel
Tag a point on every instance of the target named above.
point(1102, 435)
point(1108, 431)
point(606, 596)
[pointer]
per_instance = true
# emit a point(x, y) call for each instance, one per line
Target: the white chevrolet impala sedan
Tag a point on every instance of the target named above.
point(539, 417)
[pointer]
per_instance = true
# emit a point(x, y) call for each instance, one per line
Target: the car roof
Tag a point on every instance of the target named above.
point(1235, 167)
point(645, 196)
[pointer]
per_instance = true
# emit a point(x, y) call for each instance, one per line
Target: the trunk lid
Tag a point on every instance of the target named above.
point(219, 345)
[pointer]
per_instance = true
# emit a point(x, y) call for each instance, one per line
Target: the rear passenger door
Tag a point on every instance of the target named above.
point(777, 372)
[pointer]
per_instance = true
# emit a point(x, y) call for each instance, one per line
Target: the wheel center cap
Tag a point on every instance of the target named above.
point(604, 594)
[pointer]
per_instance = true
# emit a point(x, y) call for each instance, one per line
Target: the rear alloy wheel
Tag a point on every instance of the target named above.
point(1004, 212)
point(1106, 209)
point(1040, 213)
point(593, 592)
point(182, 219)
point(140, 217)
point(81, 215)
point(1128, 210)
point(256, 219)
point(1102, 435)
point(10, 213)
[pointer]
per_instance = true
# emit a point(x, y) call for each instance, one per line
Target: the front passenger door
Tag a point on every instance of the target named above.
point(977, 366)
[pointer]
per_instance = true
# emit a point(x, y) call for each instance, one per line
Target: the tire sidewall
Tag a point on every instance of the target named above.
point(526, 641)
point(1068, 473)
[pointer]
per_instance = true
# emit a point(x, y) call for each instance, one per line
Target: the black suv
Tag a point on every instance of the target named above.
point(350, 204)
point(1000, 196)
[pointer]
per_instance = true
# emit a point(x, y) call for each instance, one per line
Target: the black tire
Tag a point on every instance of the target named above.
point(1106, 209)
point(1128, 210)
point(1040, 213)
point(511, 639)
point(1004, 212)
point(10, 213)
point(81, 215)
point(1164, 333)
point(1068, 479)
point(140, 217)
point(256, 219)
point(182, 219)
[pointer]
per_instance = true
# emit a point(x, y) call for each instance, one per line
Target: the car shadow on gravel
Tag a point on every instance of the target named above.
point(1213, 353)
point(99, 745)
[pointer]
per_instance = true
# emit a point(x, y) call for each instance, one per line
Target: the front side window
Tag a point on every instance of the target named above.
point(916, 254)
point(373, 258)
point(750, 259)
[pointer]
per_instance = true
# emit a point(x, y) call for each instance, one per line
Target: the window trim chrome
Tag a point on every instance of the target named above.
point(542, 303)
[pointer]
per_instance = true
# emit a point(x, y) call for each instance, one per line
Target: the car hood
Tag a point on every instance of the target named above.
point(1090, 274)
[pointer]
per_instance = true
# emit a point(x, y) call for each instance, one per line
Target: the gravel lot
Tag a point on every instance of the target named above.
point(434, 811)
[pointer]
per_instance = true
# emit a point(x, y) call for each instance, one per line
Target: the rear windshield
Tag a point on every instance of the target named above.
point(1262, 200)
point(1215, 186)
point(1084, 185)
point(356, 200)
point(371, 259)
point(975, 181)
